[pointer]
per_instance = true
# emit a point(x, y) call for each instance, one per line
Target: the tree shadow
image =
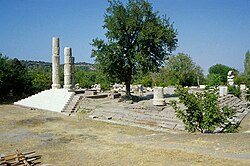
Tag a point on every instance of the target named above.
point(137, 98)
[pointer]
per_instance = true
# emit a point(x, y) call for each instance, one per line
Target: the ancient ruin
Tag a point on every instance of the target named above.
point(68, 66)
point(230, 78)
point(223, 91)
point(147, 110)
point(158, 97)
point(55, 63)
point(55, 99)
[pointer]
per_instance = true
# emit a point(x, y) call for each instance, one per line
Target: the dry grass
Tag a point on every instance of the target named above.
point(62, 140)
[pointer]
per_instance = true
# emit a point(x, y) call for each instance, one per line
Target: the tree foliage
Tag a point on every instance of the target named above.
point(222, 71)
point(15, 82)
point(241, 79)
point(138, 41)
point(234, 90)
point(214, 80)
point(181, 70)
point(86, 78)
point(41, 78)
point(203, 113)
point(247, 64)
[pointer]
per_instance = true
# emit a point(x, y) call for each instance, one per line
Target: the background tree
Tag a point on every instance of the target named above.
point(181, 70)
point(241, 79)
point(213, 80)
point(85, 78)
point(15, 82)
point(221, 70)
point(41, 78)
point(138, 40)
point(247, 64)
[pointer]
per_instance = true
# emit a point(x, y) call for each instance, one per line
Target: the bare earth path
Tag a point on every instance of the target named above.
point(62, 140)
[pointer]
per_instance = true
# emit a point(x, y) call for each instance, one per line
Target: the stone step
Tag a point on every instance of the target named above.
point(171, 125)
point(123, 113)
point(52, 100)
point(126, 116)
point(232, 101)
point(225, 97)
point(72, 106)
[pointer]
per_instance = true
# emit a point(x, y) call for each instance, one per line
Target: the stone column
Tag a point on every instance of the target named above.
point(67, 68)
point(55, 63)
point(158, 97)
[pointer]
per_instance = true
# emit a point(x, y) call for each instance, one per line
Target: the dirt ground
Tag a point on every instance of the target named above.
point(64, 140)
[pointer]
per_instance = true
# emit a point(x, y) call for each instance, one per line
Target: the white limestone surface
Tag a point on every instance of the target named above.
point(52, 100)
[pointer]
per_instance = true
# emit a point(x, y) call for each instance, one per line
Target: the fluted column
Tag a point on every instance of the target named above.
point(67, 68)
point(55, 63)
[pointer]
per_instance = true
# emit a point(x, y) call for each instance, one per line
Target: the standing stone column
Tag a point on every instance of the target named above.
point(158, 97)
point(67, 68)
point(55, 63)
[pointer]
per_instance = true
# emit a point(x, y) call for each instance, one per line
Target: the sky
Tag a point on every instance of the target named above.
point(209, 31)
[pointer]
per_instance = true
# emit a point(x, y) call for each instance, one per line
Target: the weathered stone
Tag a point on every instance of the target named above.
point(55, 63)
point(158, 97)
point(242, 87)
point(67, 68)
point(93, 116)
point(114, 95)
point(230, 78)
point(109, 117)
point(169, 90)
point(223, 91)
point(90, 92)
point(202, 86)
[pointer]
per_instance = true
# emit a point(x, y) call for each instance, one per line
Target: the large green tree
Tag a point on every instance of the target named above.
point(221, 70)
point(181, 70)
point(15, 82)
point(138, 41)
point(247, 64)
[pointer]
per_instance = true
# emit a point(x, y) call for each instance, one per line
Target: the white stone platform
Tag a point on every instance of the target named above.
point(52, 100)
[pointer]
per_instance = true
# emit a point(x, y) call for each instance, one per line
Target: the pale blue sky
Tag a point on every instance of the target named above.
point(210, 31)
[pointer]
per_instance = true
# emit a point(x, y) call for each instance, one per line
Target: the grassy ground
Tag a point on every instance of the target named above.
point(63, 140)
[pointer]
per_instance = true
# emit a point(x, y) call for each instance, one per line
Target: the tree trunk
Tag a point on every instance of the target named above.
point(127, 83)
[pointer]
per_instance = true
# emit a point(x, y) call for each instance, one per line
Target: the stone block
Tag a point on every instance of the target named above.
point(90, 92)
point(223, 91)
point(242, 87)
point(158, 97)
point(202, 86)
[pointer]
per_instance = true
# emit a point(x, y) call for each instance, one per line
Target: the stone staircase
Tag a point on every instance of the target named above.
point(240, 105)
point(73, 104)
point(146, 115)
point(52, 100)
point(162, 118)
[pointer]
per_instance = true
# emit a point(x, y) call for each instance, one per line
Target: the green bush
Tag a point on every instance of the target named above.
point(234, 90)
point(202, 112)
point(15, 83)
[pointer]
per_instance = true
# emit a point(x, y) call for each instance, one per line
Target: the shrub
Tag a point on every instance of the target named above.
point(202, 112)
point(234, 90)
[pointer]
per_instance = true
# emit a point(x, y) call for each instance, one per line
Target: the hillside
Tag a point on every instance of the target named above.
point(34, 64)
